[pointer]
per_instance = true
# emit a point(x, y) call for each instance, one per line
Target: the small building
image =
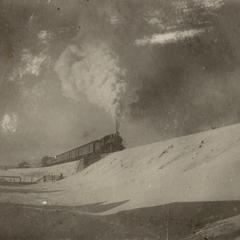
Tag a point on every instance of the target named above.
point(24, 165)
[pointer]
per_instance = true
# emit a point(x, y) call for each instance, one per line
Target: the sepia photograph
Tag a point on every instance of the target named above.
point(119, 119)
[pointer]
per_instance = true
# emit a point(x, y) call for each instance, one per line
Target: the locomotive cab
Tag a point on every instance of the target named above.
point(112, 143)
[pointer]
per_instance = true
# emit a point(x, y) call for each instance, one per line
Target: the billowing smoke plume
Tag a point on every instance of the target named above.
point(94, 72)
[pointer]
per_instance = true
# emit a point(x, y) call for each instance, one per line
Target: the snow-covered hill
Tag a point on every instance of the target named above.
point(199, 167)
point(187, 187)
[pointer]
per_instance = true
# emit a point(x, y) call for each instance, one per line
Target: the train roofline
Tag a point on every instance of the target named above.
point(117, 133)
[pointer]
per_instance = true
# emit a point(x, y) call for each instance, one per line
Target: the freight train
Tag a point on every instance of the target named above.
point(88, 153)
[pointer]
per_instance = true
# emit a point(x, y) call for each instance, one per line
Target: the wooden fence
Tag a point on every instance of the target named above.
point(29, 179)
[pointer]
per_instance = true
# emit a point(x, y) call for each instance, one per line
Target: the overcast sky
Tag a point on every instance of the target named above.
point(69, 68)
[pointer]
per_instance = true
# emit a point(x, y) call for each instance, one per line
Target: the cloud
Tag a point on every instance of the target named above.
point(44, 36)
point(32, 64)
point(9, 123)
point(114, 20)
point(170, 37)
point(154, 21)
point(93, 72)
point(212, 4)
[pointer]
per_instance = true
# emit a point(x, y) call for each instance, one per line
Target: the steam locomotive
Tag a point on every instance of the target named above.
point(88, 153)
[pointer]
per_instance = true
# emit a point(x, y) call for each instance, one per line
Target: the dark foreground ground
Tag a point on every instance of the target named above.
point(173, 221)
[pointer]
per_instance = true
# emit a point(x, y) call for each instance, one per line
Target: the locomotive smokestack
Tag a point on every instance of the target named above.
point(117, 125)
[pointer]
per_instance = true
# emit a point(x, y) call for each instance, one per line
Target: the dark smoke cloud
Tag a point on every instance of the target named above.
point(191, 85)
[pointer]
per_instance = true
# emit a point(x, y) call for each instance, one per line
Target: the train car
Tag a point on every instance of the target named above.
point(90, 152)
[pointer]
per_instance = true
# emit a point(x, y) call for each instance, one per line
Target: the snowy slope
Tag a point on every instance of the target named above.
point(199, 167)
